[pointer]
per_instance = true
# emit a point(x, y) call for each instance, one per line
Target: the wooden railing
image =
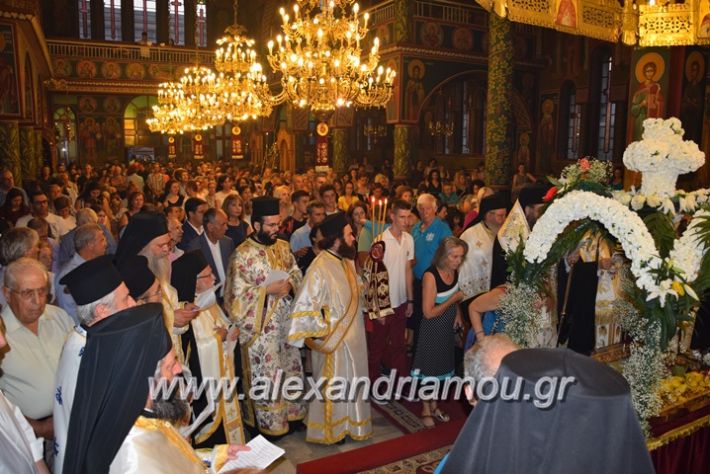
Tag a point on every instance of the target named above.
point(128, 52)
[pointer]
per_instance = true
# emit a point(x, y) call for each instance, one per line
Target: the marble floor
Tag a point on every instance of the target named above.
point(298, 451)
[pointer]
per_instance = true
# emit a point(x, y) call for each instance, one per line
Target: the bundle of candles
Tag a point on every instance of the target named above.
point(379, 215)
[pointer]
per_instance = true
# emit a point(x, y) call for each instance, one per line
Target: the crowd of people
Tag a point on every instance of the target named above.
point(212, 271)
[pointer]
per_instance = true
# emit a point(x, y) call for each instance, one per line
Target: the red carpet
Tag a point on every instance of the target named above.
point(386, 452)
point(406, 416)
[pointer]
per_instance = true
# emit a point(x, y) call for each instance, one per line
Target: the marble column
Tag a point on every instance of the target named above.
point(499, 105)
point(341, 156)
point(27, 151)
point(10, 148)
point(403, 135)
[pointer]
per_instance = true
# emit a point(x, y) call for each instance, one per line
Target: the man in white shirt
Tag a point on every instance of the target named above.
point(36, 333)
point(98, 289)
point(40, 208)
point(386, 342)
point(89, 243)
point(21, 450)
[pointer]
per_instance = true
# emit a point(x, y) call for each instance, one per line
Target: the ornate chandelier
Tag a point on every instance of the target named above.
point(202, 99)
point(321, 61)
point(242, 87)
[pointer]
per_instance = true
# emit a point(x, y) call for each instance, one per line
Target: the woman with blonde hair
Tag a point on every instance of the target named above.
point(434, 354)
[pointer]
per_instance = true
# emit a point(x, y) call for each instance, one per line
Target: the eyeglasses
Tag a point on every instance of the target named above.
point(27, 294)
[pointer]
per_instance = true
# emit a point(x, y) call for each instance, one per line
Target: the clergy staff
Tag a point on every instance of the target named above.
point(99, 292)
point(208, 346)
point(261, 278)
point(327, 317)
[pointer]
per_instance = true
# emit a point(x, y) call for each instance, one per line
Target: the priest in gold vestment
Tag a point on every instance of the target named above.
point(261, 277)
point(327, 316)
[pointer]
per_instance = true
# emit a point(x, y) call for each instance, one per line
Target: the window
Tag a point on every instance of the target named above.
point(177, 22)
point(201, 30)
point(144, 19)
point(84, 19)
point(568, 141)
point(607, 113)
point(112, 20)
point(453, 119)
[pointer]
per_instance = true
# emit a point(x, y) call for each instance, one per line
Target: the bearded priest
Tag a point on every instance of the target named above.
point(327, 317)
point(261, 279)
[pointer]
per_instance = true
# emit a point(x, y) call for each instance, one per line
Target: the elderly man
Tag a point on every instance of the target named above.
point(99, 292)
point(89, 243)
point(147, 234)
point(16, 243)
point(115, 424)
point(21, 450)
point(215, 247)
point(427, 235)
point(40, 208)
point(540, 430)
point(36, 333)
point(85, 215)
point(261, 277)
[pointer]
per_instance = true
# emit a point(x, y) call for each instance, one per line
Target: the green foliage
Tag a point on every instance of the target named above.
point(661, 228)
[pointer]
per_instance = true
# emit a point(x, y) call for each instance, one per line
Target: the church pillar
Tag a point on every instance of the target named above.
point(190, 17)
point(403, 135)
point(162, 20)
point(10, 148)
point(499, 104)
point(97, 20)
point(128, 25)
point(27, 151)
point(340, 150)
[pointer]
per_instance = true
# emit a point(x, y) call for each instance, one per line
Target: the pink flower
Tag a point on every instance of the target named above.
point(584, 164)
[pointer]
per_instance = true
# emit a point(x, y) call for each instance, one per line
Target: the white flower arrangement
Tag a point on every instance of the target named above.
point(520, 309)
point(688, 201)
point(661, 155)
point(622, 223)
point(687, 254)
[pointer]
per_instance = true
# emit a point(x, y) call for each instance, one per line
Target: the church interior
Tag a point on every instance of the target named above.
point(494, 88)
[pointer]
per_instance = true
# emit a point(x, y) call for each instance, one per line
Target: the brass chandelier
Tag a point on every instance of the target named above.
point(203, 98)
point(321, 61)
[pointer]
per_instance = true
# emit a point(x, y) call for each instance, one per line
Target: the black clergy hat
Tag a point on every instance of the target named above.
point(141, 229)
point(333, 225)
point(136, 275)
point(532, 194)
point(92, 280)
point(184, 274)
point(489, 203)
point(264, 207)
